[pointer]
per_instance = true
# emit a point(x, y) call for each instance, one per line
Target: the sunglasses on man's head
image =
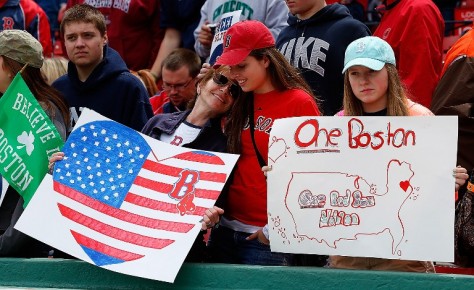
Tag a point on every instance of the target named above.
point(222, 80)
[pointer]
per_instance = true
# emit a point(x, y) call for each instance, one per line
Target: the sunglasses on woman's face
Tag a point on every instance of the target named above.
point(222, 80)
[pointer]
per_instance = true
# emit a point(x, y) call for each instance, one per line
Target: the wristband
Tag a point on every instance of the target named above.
point(265, 232)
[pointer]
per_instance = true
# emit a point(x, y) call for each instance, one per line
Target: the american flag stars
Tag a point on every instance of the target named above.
point(106, 178)
point(110, 217)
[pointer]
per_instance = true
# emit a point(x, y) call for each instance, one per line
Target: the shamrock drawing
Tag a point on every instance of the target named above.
point(27, 141)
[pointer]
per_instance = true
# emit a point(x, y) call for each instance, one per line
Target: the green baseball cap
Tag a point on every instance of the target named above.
point(370, 51)
point(22, 47)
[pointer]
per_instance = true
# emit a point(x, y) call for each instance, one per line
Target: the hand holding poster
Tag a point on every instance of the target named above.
point(227, 20)
point(367, 186)
point(27, 139)
point(124, 201)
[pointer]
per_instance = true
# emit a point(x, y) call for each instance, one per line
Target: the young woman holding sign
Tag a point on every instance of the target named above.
point(19, 51)
point(372, 87)
point(198, 128)
point(274, 89)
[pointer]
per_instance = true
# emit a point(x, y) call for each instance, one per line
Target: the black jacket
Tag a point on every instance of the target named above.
point(317, 46)
point(111, 90)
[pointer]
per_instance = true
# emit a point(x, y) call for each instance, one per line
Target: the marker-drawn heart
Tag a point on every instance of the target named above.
point(404, 185)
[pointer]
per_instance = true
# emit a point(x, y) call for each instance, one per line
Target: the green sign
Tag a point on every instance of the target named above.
point(27, 139)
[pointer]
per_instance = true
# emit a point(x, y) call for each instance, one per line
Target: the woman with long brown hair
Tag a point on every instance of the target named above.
point(273, 89)
point(19, 51)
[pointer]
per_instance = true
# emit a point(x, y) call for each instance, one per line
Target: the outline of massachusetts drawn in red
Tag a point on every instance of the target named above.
point(279, 149)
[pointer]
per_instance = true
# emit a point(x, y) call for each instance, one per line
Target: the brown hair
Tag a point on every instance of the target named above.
point(182, 57)
point(207, 77)
point(396, 96)
point(44, 93)
point(283, 77)
point(84, 13)
point(147, 80)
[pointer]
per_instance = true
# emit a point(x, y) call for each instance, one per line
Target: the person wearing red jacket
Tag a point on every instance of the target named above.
point(37, 23)
point(414, 29)
point(27, 15)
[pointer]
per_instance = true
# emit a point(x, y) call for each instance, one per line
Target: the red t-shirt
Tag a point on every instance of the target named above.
point(247, 198)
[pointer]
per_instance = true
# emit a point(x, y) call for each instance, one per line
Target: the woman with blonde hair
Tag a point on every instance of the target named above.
point(373, 90)
point(372, 87)
point(199, 127)
point(53, 68)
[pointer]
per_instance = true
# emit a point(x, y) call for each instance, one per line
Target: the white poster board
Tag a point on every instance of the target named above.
point(365, 187)
point(124, 201)
point(227, 20)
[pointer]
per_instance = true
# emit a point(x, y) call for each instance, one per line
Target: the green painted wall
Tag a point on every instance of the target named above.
point(58, 273)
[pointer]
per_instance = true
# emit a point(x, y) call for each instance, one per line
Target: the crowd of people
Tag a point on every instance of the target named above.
point(283, 59)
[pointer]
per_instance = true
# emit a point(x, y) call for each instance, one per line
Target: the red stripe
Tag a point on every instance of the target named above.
point(153, 185)
point(112, 231)
point(200, 157)
point(174, 171)
point(167, 188)
point(195, 156)
point(158, 205)
point(121, 214)
point(207, 193)
point(104, 249)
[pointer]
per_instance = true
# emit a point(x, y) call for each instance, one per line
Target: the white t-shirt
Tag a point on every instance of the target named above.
point(184, 134)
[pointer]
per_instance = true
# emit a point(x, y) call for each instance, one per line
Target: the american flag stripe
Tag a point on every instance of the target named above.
point(122, 214)
point(200, 157)
point(174, 171)
point(111, 231)
point(166, 188)
point(122, 200)
point(103, 248)
point(158, 205)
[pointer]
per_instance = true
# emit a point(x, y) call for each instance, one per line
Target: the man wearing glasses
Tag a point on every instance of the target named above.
point(179, 71)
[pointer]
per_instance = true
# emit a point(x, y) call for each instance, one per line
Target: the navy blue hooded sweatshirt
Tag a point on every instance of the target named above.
point(111, 90)
point(316, 46)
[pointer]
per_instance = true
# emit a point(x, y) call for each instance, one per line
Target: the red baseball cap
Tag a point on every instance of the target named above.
point(241, 38)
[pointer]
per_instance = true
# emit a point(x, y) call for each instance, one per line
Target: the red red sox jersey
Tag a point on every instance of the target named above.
point(247, 199)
